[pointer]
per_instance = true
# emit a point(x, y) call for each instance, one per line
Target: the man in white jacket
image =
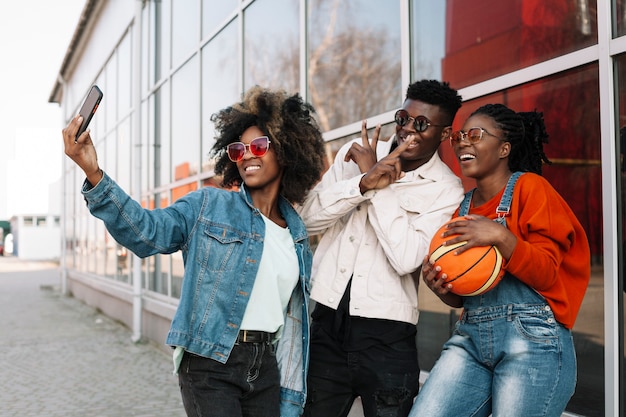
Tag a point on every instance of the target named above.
point(378, 206)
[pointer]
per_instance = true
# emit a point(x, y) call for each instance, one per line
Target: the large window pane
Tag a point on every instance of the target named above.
point(621, 193)
point(220, 86)
point(186, 121)
point(570, 104)
point(354, 59)
point(487, 38)
point(160, 142)
point(162, 37)
point(125, 71)
point(271, 45)
point(428, 23)
point(214, 13)
point(185, 29)
point(619, 17)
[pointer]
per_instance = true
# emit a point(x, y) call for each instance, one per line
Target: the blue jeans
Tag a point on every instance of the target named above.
point(247, 385)
point(508, 356)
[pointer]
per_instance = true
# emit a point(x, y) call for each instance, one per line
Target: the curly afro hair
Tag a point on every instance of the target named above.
point(294, 133)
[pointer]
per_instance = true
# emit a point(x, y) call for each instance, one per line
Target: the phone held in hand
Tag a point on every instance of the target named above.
point(89, 109)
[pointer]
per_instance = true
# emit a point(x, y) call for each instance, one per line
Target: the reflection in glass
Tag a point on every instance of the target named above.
point(159, 150)
point(185, 30)
point(186, 120)
point(428, 20)
point(619, 18)
point(124, 152)
point(353, 59)
point(620, 92)
point(214, 12)
point(271, 45)
point(124, 76)
point(570, 103)
point(487, 38)
point(162, 37)
point(220, 86)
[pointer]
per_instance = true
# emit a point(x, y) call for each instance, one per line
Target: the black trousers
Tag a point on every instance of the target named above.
point(385, 376)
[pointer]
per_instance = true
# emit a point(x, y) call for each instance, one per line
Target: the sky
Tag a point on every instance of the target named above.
point(34, 36)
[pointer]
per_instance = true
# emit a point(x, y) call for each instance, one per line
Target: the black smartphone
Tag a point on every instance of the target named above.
point(89, 108)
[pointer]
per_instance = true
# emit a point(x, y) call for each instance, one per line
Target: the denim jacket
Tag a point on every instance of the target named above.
point(220, 234)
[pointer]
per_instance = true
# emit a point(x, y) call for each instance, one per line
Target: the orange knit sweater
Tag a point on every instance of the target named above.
point(552, 252)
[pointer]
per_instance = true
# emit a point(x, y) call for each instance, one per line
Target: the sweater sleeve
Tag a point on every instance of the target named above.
point(552, 253)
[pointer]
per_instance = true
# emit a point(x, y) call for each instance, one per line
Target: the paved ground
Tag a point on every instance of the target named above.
point(61, 358)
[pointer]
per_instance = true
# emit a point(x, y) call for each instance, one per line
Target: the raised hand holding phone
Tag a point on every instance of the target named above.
point(88, 109)
point(83, 153)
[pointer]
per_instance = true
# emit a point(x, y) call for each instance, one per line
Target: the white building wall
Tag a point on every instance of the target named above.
point(36, 237)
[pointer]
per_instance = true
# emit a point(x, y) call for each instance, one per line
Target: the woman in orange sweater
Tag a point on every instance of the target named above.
point(511, 353)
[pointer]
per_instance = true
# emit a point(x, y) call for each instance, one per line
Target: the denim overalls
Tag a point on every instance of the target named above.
point(508, 356)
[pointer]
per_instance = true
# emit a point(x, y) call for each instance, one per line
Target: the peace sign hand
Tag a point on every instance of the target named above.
point(386, 171)
point(364, 155)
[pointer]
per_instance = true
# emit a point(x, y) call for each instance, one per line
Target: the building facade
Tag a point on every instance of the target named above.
point(166, 65)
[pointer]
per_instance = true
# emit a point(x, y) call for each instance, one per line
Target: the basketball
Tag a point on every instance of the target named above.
point(473, 272)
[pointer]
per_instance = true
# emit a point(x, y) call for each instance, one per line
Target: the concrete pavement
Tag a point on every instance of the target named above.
point(61, 358)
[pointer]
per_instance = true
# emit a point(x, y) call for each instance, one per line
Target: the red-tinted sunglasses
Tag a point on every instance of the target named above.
point(258, 147)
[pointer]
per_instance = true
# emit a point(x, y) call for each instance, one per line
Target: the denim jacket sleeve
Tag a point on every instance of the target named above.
point(145, 232)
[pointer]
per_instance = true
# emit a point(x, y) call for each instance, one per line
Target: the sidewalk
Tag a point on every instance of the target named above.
point(61, 358)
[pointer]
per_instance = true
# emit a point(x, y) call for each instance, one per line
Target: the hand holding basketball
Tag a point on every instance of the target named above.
point(470, 269)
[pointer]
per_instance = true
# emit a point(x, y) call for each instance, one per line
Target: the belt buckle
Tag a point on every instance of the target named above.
point(245, 336)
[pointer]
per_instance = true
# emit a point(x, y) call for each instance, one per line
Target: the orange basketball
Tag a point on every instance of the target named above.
point(472, 272)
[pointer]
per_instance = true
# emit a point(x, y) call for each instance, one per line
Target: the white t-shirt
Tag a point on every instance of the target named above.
point(275, 281)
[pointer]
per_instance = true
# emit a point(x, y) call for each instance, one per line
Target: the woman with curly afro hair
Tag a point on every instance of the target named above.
point(240, 332)
point(294, 135)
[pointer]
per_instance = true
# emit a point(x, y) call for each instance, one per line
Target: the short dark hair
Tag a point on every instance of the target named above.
point(295, 138)
point(437, 93)
point(526, 131)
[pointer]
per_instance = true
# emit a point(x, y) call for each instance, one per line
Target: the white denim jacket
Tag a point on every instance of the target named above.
point(378, 238)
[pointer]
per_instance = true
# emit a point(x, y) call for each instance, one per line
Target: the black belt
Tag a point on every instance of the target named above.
point(254, 336)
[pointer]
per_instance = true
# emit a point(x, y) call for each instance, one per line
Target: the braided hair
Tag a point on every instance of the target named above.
point(295, 136)
point(525, 131)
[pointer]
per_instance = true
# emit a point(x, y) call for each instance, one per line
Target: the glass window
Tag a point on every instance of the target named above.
point(354, 59)
point(214, 13)
point(487, 38)
point(272, 45)
point(159, 150)
point(158, 267)
point(125, 73)
point(147, 47)
point(220, 85)
point(186, 121)
point(108, 158)
point(109, 98)
point(428, 22)
point(621, 193)
point(185, 29)
point(619, 17)
point(567, 101)
point(162, 38)
point(123, 157)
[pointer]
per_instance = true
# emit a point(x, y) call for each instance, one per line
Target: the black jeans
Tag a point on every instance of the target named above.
point(248, 385)
point(386, 377)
